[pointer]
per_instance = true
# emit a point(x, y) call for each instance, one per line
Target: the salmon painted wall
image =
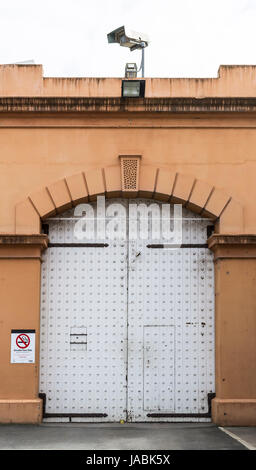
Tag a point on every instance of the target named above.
point(218, 149)
point(38, 149)
point(28, 80)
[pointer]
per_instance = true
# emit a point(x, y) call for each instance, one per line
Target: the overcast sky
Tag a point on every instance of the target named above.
point(188, 37)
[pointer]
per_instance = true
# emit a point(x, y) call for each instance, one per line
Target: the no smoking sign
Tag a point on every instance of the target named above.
point(23, 346)
point(23, 341)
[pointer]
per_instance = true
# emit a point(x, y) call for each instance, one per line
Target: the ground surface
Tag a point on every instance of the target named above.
point(180, 436)
point(246, 434)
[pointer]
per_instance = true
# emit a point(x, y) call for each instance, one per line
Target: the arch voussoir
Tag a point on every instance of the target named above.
point(157, 183)
point(199, 196)
point(60, 195)
point(182, 188)
point(147, 181)
point(165, 183)
point(95, 182)
point(77, 188)
point(113, 181)
point(216, 204)
point(43, 203)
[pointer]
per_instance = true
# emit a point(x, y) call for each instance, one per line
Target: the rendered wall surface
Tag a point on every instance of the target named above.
point(24, 80)
point(20, 267)
point(55, 156)
point(235, 320)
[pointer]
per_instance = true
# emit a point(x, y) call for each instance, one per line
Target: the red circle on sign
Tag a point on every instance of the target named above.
point(23, 341)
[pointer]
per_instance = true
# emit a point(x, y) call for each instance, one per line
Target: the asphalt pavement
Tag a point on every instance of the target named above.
point(128, 436)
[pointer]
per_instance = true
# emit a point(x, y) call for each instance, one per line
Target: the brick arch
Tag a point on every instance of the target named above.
point(153, 182)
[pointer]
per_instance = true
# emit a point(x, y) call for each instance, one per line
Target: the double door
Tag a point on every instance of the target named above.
point(127, 330)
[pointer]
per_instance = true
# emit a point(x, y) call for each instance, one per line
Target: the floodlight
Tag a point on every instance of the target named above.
point(127, 38)
point(133, 88)
point(26, 62)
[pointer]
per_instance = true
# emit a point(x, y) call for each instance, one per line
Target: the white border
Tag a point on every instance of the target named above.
point(234, 436)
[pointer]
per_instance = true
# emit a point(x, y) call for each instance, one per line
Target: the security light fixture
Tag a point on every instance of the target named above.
point(23, 62)
point(26, 62)
point(128, 38)
point(133, 88)
point(131, 70)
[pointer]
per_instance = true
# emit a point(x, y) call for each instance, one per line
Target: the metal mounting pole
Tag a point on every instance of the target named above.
point(142, 62)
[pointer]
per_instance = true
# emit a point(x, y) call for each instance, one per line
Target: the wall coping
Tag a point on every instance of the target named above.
point(119, 105)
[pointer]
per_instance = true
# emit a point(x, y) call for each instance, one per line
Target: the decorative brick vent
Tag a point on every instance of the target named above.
point(130, 167)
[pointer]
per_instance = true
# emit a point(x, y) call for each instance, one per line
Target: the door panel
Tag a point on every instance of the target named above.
point(83, 331)
point(127, 330)
point(170, 289)
point(158, 378)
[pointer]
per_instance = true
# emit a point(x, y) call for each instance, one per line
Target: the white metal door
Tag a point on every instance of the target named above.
point(171, 297)
point(127, 330)
point(83, 328)
point(158, 365)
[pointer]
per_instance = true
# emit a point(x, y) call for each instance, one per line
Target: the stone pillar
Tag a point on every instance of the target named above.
point(20, 267)
point(235, 307)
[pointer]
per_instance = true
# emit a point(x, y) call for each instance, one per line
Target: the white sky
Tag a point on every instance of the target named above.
point(189, 38)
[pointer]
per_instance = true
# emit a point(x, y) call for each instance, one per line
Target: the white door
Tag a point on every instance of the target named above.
point(83, 330)
point(127, 330)
point(170, 334)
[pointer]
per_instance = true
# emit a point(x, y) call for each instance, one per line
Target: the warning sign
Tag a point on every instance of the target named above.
point(23, 341)
point(23, 346)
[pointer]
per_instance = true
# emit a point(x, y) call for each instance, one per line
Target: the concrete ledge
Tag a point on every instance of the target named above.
point(234, 412)
point(67, 104)
point(21, 411)
point(232, 240)
point(24, 240)
point(233, 246)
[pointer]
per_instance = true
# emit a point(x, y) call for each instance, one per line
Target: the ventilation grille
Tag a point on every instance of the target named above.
point(130, 172)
